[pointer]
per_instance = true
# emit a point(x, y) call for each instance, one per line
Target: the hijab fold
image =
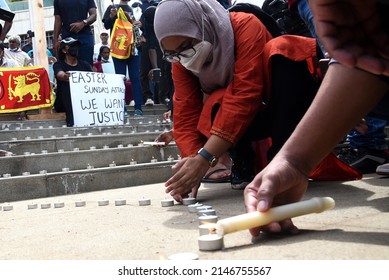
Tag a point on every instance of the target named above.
point(185, 18)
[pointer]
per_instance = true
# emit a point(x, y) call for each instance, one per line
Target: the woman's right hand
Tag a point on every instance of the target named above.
point(113, 13)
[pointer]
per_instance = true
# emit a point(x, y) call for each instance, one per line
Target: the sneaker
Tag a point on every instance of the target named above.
point(138, 113)
point(383, 169)
point(362, 159)
point(149, 102)
point(132, 103)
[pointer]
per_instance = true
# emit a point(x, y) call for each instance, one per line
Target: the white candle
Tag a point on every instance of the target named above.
point(167, 202)
point(65, 169)
point(203, 207)
point(206, 212)
point(44, 151)
point(43, 172)
point(188, 201)
point(153, 160)
point(113, 164)
point(256, 219)
point(45, 205)
point(32, 206)
point(8, 207)
point(144, 202)
point(120, 202)
point(104, 202)
point(61, 150)
point(210, 242)
point(59, 204)
point(80, 203)
point(192, 208)
point(209, 228)
point(208, 219)
point(26, 173)
point(183, 257)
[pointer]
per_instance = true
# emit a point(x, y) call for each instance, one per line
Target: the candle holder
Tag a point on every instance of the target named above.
point(76, 149)
point(8, 207)
point(40, 137)
point(205, 229)
point(80, 203)
point(104, 202)
point(188, 201)
point(7, 175)
point(92, 148)
point(61, 150)
point(208, 219)
point(59, 204)
point(206, 212)
point(210, 242)
point(144, 202)
point(27, 138)
point(192, 208)
point(27, 153)
point(26, 173)
point(170, 158)
point(53, 136)
point(132, 162)
point(32, 206)
point(167, 202)
point(45, 205)
point(44, 152)
point(43, 172)
point(65, 169)
point(120, 202)
point(113, 164)
point(183, 257)
point(153, 160)
point(89, 166)
point(203, 207)
point(105, 147)
point(120, 146)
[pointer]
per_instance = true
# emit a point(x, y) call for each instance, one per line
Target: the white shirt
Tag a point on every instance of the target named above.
point(19, 56)
point(9, 63)
point(96, 50)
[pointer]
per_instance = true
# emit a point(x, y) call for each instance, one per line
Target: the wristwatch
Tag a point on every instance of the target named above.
point(211, 159)
point(85, 22)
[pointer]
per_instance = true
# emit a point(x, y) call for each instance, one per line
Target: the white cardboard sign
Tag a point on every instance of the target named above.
point(97, 98)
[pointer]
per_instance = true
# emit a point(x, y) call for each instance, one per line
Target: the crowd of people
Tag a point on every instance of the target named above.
point(238, 80)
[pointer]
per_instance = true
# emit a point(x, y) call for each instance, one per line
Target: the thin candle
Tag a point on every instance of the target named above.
point(256, 219)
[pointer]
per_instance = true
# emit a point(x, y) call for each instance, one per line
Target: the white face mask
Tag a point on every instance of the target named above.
point(196, 62)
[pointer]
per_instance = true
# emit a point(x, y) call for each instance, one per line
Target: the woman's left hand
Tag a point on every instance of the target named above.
point(189, 173)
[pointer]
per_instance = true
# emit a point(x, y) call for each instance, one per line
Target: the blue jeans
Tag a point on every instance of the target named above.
point(306, 14)
point(86, 49)
point(133, 65)
point(375, 137)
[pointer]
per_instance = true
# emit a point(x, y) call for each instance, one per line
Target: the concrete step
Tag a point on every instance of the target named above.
point(47, 132)
point(79, 181)
point(77, 160)
point(81, 142)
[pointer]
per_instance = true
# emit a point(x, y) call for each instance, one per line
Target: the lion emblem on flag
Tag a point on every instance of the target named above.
point(24, 85)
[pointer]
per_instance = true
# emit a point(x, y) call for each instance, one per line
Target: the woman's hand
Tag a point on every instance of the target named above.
point(189, 173)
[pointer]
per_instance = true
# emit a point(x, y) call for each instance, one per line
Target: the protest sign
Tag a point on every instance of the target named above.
point(97, 98)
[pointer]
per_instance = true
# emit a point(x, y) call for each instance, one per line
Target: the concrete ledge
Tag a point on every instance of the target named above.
point(80, 181)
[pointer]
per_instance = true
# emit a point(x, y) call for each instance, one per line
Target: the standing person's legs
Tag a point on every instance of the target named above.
point(133, 64)
point(86, 49)
point(145, 67)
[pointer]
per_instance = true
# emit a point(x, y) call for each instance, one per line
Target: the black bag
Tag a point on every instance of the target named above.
point(288, 20)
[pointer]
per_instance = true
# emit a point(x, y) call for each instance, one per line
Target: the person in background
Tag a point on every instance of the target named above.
point(6, 62)
point(14, 52)
point(358, 41)
point(102, 57)
point(131, 64)
point(73, 18)
point(28, 46)
point(104, 37)
point(67, 61)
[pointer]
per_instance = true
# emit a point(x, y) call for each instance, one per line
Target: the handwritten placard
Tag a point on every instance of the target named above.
point(97, 98)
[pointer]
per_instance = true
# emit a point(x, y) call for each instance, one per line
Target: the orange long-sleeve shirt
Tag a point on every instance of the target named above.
point(240, 101)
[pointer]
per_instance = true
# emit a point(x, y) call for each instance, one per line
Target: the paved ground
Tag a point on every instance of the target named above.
point(358, 227)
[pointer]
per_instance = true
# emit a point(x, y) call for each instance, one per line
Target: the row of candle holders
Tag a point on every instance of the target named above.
point(113, 164)
point(141, 144)
point(6, 128)
point(82, 203)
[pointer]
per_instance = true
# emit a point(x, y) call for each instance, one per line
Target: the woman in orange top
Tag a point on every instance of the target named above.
point(221, 72)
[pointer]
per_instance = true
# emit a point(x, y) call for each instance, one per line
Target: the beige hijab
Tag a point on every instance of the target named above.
point(185, 18)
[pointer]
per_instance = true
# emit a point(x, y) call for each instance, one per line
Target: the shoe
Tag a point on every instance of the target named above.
point(132, 103)
point(138, 113)
point(149, 102)
point(362, 159)
point(383, 169)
